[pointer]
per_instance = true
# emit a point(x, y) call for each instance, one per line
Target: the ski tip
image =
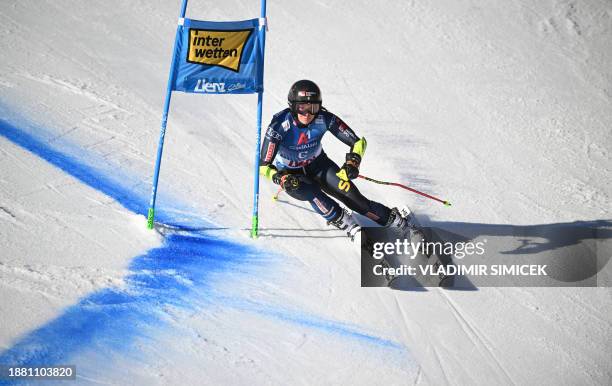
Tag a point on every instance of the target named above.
point(447, 203)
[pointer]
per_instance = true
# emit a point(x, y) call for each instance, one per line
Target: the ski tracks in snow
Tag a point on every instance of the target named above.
point(477, 337)
point(447, 340)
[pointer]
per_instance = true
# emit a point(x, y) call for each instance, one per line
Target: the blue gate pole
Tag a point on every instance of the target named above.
point(162, 134)
point(262, 39)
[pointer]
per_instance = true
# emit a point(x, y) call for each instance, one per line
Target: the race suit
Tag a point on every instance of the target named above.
point(298, 150)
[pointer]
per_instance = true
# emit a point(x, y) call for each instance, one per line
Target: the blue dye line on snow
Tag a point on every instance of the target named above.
point(95, 177)
point(176, 274)
point(302, 319)
point(109, 320)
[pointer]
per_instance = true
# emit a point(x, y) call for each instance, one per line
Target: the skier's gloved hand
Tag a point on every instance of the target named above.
point(289, 182)
point(350, 169)
point(268, 171)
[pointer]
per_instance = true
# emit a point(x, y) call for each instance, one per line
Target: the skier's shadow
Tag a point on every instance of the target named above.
point(538, 239)
point(533, 239)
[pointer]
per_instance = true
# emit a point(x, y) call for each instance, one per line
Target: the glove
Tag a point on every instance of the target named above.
point(289, 182)
point(268, 171)
point(350, 169)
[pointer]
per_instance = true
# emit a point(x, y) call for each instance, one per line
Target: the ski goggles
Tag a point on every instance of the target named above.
point(307, 108)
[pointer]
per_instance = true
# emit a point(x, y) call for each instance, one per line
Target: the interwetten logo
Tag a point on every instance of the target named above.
point(217, 48)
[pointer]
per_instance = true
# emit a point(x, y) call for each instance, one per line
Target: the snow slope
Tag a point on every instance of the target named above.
point(502, 107)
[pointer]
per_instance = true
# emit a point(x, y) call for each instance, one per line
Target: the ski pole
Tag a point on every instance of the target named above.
point(446, 203)
point(280, 188)
point(275, 197)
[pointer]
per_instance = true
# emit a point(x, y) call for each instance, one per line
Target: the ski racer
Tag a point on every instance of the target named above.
point(292, 157)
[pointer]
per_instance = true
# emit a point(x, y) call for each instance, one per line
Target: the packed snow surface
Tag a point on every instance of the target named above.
point(504, 108)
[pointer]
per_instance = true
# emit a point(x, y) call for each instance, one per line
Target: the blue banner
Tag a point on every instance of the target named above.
point(218, 57)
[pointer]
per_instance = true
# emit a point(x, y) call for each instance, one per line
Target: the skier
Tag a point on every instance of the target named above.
point(292, 157)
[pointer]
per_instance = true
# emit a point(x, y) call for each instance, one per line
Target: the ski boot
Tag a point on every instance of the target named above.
point(347, 223)
point(400, 219)
point(407, 222)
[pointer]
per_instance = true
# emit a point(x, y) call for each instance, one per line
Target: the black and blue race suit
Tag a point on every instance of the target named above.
point(298, 150)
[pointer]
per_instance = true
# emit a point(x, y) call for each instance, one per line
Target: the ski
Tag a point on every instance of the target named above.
point(412, 264)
